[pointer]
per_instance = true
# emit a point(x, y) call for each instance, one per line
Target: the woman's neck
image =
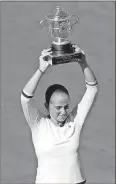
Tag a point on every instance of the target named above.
point(57, 123)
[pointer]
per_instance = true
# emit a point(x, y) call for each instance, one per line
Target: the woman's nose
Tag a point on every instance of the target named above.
point(63, 110)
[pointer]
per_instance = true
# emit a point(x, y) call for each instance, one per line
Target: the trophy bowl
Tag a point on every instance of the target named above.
point(59, 24)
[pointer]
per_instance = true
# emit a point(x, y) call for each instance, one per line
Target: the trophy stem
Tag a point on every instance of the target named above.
point(60, 41)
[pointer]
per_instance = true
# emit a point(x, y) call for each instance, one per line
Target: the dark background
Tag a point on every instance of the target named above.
point(22, 41)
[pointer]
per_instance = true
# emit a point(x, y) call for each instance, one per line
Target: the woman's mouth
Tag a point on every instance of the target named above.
point(63, 116)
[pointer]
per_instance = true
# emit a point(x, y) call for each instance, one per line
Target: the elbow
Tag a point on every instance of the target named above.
point(96, 88)
point(21, 97)
point(24, 97)
point(93, 89)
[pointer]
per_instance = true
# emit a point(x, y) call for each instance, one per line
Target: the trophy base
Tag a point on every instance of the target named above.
point(64, 53)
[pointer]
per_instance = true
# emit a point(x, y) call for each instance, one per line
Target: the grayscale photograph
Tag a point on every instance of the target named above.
point(57, 92)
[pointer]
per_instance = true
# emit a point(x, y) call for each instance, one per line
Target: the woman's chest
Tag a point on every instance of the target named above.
point(50, 138)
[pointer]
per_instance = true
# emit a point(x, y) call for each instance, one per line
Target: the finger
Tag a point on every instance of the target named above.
point(50, 61)
point(46, 50)
point(40, 57)
point(45, 57)
point(43, 52)
point(77, 49)
point(83, 52)
point(74, 45)
point(47, 54)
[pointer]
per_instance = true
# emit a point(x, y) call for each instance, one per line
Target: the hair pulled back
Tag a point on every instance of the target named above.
point(51, 89)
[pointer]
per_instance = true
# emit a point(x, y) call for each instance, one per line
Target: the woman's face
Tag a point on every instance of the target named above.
point(59, 107)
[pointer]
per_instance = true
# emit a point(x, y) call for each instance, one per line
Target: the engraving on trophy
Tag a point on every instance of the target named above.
point(59, 24)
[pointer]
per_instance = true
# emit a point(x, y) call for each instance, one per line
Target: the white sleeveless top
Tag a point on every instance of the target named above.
point(56, 147)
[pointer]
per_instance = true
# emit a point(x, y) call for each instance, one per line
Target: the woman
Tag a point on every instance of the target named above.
point(56, 136)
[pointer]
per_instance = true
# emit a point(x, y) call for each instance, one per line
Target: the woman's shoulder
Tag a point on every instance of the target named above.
point(42, 118)
point(72, 115)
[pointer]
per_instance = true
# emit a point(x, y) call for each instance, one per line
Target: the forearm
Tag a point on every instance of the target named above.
point(88, 73)
point(90, 94)
point(44, 62)
point(32, 84)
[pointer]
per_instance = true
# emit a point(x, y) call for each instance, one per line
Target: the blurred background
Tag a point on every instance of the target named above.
point(22, 41)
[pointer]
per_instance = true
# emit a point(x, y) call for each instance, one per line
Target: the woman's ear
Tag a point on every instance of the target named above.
point(46, 105)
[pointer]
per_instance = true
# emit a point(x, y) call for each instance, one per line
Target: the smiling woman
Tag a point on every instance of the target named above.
point(56, 136)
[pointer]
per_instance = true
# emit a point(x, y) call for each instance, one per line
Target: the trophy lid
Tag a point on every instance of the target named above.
point(58, 15)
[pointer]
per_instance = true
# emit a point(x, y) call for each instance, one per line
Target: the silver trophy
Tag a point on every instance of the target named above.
point(59, 24)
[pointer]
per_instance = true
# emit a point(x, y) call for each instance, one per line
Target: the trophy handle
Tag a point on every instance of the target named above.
point(44, 24)
point(74, 19)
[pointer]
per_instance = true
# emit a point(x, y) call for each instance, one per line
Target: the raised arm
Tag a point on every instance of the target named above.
point(87, 100)
point(31, 114)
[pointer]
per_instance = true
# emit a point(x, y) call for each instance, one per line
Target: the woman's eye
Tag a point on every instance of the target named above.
point(58, 108)
point(67, 107)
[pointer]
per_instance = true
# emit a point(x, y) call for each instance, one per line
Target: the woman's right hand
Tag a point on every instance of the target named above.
point(45, 60)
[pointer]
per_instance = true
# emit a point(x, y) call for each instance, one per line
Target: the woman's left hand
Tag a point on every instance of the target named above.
point(83, 58)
